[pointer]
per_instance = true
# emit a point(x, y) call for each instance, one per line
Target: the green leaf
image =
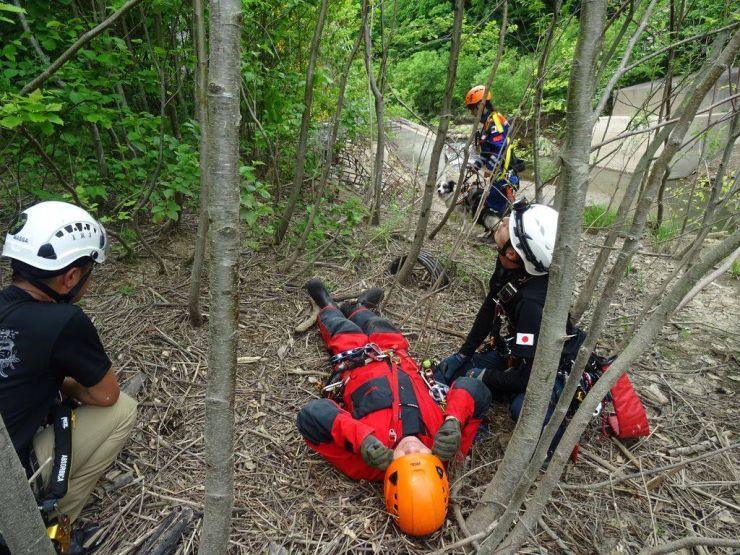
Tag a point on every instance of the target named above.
point(11, 122)
point(11, 8)
point(9, 51)
point(76, 97)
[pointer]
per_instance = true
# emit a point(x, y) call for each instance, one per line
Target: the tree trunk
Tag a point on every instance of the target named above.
point(223, 200)
point(336, 121)
point(444, 121)
point(20, 520)
point(569, 202)
point(666, 104)
point(476, 124)
point(690, 106)
point(305, 122)
point(641, 340)
point(201, 75)
point(537, 102)
point(377, 174)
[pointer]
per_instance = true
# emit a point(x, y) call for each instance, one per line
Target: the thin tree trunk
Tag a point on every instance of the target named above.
point(201, 76)
point(99, 151)
point(223, 238)
point(616, 275)
point(569, 202)
point(537, 102)
point(336, 121)
point(20, 520)
point(708, 279)
point(689, 108)
point(474, 130)
point(641, 341)
point(666, 105)
point(171, 105)
point(377, 173)
point(444, 122)
point(305, 122)
point(708, 220)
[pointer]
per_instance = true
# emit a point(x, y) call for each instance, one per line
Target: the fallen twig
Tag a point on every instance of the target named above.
point(649, 472)
point(690, 541)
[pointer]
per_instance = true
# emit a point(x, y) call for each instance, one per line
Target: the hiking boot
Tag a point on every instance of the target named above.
point(317, 291)
point(83, 540)
point(369, 298)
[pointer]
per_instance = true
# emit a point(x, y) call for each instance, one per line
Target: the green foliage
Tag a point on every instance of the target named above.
point(597, 217)
point(665, 233)
point(254, 209)
point(34, 109)
point(734, 270)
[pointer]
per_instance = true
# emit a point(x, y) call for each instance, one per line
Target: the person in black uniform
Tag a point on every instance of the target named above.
point(512, 311)
point(50, 351)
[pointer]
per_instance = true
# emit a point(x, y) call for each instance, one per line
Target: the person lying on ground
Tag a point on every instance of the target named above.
point(381, 406)
point(53, 357)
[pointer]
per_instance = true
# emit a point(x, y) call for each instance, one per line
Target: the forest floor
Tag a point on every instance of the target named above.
point(288, 500)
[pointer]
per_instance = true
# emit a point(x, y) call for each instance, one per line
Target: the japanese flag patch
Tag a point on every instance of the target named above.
point(525, 339)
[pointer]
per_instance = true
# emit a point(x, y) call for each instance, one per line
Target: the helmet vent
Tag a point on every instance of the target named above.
point(69, 228)
point(59, 234)
point(440, 472)
point(393, 478)
point(47, 251)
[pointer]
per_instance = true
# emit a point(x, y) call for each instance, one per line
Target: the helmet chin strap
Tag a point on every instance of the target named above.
point(65, 298)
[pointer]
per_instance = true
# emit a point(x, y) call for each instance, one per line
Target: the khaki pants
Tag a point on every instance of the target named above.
point(97, 438)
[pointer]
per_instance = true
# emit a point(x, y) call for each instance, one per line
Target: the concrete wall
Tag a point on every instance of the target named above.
point(637, 107)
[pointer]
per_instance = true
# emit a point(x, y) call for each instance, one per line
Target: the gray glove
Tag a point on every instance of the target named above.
point(374, 453)
point(447, 441)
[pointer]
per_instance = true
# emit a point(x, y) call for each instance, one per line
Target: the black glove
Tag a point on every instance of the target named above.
point(447, 369)
point(374, 453)
point(447, 441)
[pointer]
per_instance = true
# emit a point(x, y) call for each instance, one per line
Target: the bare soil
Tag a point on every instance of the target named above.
point(288, 500)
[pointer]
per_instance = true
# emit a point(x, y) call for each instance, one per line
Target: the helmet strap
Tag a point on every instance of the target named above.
point(64, 298)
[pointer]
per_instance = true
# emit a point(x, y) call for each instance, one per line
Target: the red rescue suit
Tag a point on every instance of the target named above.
point(387, 397)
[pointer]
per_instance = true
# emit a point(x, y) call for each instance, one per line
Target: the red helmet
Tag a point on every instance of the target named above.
point(417, 493)
point(475, 95)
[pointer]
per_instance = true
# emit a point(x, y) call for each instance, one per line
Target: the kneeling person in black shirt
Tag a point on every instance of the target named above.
point(512, 311)
point(49, 346)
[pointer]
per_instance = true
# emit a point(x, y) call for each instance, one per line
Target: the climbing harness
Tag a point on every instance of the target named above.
point(349, 360)
point(357, 357)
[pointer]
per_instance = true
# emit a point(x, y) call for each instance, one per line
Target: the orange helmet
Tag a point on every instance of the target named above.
point(475, 95)
point(417, 493)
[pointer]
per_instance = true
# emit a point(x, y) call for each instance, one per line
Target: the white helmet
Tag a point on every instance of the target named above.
point(52, 235)
point(532, 232)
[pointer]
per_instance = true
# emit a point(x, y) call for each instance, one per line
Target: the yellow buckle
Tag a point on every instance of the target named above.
point(61, 533)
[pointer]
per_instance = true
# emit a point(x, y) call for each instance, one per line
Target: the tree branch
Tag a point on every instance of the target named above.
point(72, 50)
point(688, 542)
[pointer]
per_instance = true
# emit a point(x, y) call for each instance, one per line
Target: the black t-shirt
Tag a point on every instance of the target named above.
point(524, 312)
point(41, 343)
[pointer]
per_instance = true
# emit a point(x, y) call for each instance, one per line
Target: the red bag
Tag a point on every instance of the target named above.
point(630, 419)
